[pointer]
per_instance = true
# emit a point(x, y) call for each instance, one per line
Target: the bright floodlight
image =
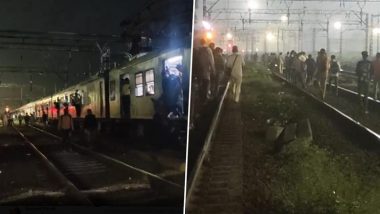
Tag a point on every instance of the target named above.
point(252, 4)
point(206, 25)
point(270, 36)
point(376, 30)
point(338, 25)
point(284, 18)
point(229, 36)
point(209, 35)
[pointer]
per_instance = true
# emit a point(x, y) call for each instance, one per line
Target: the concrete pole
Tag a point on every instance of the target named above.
point(204, 9)
point(301, 36)
point(340, 44)
point(369, 31)
point(366, 33)
point(21, 95)
point(327, 36)
point(314, 39)
point(278, 40)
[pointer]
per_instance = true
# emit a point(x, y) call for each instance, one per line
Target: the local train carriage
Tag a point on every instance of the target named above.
point(144, 76)
point(145, 81)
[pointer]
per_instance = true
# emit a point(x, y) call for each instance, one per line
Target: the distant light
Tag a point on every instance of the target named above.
point(270, 36)
point(338, 25)
point(376, 30)
point(284, 18)
point(229, 36)
point(206, 25)
point(243, 51)
point(229, 45)
point(257, 50)
point(7, 109)
point(252, 4)
point(209, 35)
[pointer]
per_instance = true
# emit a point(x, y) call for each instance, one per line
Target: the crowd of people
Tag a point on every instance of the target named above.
point(211, 70)
point(65, 124)
point(305, 71)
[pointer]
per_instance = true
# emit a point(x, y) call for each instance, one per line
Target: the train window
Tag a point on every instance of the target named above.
point(149, 79)
point(172, 63)
point(112, 90)
point(139, 90)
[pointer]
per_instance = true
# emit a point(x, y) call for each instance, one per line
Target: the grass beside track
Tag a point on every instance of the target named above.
point(331, 174)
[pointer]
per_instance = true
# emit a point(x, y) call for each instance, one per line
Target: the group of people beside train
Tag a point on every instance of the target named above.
point(324, 70)
point(212, 68)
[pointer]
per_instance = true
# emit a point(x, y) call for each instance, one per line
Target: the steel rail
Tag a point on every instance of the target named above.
point(71, 189)
point(362, 130)
point(210, 134)
point(111, 160)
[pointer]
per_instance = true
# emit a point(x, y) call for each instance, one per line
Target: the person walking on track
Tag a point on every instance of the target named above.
point(207, 68)
point(65, 125)
point(334, 73)
point(236, 62)
point(375, 73)
point(363, 68)
point(323, 66)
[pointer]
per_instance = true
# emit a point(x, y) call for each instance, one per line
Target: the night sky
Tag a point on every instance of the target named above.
point(84, 16)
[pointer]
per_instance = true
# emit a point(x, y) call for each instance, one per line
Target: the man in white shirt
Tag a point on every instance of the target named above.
point(236, 62)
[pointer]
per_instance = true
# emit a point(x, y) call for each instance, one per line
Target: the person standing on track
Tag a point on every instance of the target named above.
point(20, 118)
point(300, 65)
point(220, 64)
point(236, 62)
point(323, 66)
point(375, 73)
point(65, 125)
point(206, 62)
point(310, 70)
point(363, 68)
point(90, 126)
point(334, 73)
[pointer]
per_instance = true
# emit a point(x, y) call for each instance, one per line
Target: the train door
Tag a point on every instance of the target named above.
point(101, 98)
point(125, 96)
point(172, 85)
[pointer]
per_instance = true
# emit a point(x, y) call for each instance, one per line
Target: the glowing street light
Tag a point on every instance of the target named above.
point(376, 31)
point(229, 36)
point(270, 36)
point(252, 4)
point(338, 25)
point(284, 18)
point(209, 35)
point(206, 25)
point(7, 109)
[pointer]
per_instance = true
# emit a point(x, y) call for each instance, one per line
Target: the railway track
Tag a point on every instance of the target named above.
point(367, 136)
point(216, 183)
point(91, 178)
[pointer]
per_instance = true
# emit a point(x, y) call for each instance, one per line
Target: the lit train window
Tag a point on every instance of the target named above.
point(139, 89)
point(149, 79)
point(172, 63)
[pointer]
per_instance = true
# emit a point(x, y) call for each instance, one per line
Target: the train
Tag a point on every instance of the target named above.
point(144, 75)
